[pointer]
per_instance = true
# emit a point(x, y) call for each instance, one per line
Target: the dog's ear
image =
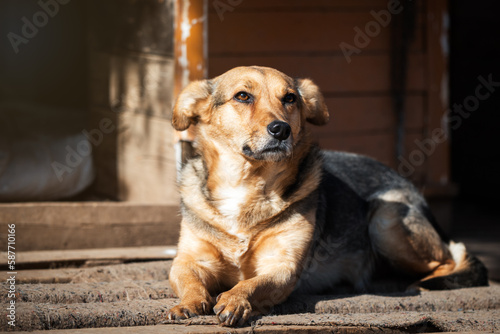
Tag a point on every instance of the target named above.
point(192, 104)
point(315, 108)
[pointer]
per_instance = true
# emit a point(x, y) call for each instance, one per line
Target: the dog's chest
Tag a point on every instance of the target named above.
point(230, 201)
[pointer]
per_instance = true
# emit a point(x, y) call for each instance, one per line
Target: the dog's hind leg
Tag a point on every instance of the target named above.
point(401, 233)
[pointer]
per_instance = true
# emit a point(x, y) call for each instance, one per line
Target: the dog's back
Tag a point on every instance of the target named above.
point(349, 244)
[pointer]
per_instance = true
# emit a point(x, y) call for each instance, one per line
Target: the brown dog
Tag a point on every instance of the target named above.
point(265, 212)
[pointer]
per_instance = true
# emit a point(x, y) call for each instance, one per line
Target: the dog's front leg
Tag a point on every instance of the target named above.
point(273, 267)
point(191, 282)
point(197, 273)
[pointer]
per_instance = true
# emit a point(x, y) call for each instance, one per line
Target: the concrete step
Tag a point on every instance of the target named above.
point(139, 294)
point(136, 303)
point(100, 292)
point(143, 271)
point(401, 322)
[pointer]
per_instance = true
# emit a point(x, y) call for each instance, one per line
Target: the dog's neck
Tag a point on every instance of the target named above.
point(239, 187)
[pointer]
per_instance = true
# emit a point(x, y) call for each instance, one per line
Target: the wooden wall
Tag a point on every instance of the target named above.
point(302, 39)
point(131, 79)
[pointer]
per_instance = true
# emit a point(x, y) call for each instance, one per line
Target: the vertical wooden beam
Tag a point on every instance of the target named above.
point(438, 186)
point(190, 42)
point(438, 162)
point(190, 52)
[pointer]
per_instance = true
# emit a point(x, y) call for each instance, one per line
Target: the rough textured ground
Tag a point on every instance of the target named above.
point(139, 294)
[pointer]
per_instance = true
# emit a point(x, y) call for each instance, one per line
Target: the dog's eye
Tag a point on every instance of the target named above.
point(289, 98)
point(242, 97)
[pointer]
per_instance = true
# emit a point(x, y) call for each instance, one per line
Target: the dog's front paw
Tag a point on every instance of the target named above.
point(189, 309)
point(232, 310)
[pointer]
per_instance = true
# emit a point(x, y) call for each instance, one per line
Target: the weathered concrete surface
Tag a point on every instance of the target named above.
point(139, 294)
point(403, 322)
point(102, 292)
point(145, 271)
point(215, 329)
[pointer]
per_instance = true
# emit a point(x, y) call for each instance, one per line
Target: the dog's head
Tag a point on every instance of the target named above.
point(256, 111)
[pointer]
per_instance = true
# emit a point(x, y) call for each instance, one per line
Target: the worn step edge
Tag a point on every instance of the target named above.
point(32, 316)
point(142, 271)
point(102, 292)
point(144, 313)
point(82, 255)
point(215, 329)
point(84, 214)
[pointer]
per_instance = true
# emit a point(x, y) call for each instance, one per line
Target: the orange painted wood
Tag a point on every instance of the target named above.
point(370, 114)
point(366, 73)
point(379, 146)
point(301, 38)
point(190, 49)
point(190, 46)
point(308, 32)
point(294, 5)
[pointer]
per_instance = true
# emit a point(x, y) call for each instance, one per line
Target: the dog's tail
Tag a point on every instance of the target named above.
point(468, 271)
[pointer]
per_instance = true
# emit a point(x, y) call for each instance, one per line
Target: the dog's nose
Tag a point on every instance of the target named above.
point(279, 130)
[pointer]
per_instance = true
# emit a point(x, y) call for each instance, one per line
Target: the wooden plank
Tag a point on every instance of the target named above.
point(81, 214)
point(191, 49)
point(138, 83)
point(104, 254)
point(146, 160)
point(292, 5)
point(49, 237)
point(67, 225)
point(366, 73)
point(369, 113)
point(138, 26)
point(284, 32)
point(135, 161)
point(131, 75)
point(190, 42)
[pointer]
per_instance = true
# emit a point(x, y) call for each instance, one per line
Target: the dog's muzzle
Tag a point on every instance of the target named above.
point(276, 148)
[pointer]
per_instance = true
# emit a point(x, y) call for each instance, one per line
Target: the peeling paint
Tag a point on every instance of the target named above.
point(192, 20)
point(185, 33)
point(186, 27)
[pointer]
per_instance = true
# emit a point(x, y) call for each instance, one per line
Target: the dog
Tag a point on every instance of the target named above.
point(266, 213)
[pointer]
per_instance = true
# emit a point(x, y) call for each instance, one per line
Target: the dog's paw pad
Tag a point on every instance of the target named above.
point(232, 310)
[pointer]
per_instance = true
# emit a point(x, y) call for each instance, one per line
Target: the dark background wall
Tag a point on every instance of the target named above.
point(475, 51)
point(51, 67)
point(475, 155)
